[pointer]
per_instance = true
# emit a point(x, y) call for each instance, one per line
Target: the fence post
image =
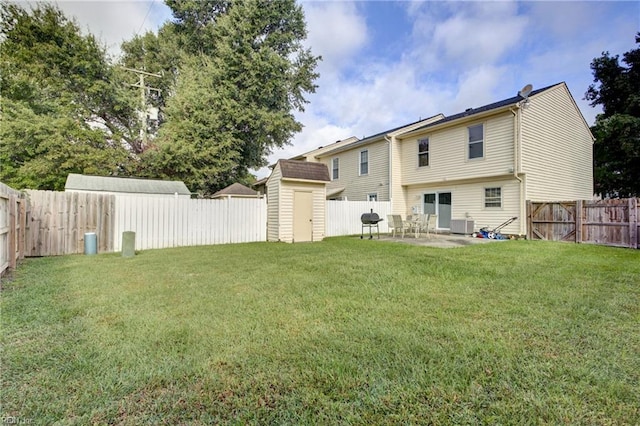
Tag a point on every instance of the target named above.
point(633, 223)
point(23, 228)
point(529, 221)
point(12, 234)
point(579, 220)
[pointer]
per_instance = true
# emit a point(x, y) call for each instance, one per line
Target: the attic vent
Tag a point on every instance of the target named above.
point(468, 109)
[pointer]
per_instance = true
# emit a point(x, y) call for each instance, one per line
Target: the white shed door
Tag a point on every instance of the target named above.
point(302, 216)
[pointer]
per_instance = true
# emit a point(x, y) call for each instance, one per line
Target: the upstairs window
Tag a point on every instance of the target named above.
point(364, 162)
point(335, 168)
point(423, 152)
point(493, 197)
point(476, 141)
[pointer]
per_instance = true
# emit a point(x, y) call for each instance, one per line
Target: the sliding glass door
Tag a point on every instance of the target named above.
point(439, 203)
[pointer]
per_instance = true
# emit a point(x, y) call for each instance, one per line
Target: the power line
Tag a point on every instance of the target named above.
point(145, 17)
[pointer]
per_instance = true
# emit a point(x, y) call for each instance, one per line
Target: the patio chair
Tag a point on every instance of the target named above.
point(396, 224)
point(432, 224)
point(422, 224)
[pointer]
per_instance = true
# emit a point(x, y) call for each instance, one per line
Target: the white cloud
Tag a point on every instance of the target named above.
point(114, 21)
point(317, 132)
point(336, 31)
point(464, 35)
point(477, 88)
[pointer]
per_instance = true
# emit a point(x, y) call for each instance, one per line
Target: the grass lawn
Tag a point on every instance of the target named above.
point(339, 332)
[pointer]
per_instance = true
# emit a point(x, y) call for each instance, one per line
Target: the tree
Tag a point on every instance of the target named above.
point(617, 130)
point(157, 54)
point(235, 95)
point(193, 144)
point(62, 110)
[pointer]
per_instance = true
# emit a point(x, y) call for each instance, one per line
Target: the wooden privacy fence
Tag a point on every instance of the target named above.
point(57, 222)
point(12, 227)
point(607, 222)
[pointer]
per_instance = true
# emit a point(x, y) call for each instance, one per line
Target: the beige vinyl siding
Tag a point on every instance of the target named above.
point(287, 190)
point(273, 205)
point(467, 200)
point(398, 192)
point(448, 152)
point(556, 148)
point(357, 187)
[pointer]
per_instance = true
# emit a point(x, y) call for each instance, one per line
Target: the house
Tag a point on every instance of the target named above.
point(479, 166)
point(236, 190)
point(126, 186)
point(360, 168)
point(296, 201)
point(484, 163)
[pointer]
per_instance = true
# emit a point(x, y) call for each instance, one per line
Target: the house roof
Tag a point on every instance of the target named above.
point(126, 185)
point(236, 189)
point(406, 127)
point(260, 181)
point(322, 149)
point(295, 169)
point(335, 191)
point(496, 105)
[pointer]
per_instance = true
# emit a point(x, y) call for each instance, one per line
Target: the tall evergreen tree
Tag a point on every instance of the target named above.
point(617, 130)
point(61, 110)
point(243, 74)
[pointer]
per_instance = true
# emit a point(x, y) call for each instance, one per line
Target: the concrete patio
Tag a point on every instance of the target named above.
point(433, 240)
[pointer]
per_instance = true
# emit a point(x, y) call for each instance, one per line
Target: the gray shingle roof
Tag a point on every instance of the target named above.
point(294, 169)
point(368, 139)
point(236, 189)
point(126, 185)
point(472, 111)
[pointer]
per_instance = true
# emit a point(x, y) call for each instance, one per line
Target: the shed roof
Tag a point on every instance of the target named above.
point(237, 189)
point(295, 169)
point(126, 185)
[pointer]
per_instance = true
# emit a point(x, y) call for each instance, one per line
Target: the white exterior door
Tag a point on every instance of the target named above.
point(302, 216)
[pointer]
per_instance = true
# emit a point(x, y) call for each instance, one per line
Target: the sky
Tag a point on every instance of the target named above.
point(389, 63)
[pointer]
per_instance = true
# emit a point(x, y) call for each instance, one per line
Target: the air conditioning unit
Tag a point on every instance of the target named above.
point(462, 226)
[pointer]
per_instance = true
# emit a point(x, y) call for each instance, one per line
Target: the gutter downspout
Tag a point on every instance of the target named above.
point(517, 142)
point(390, 168)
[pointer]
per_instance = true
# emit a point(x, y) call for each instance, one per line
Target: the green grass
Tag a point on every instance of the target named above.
point(339, 332)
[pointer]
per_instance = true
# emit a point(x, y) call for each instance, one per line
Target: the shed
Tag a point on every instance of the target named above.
point(296, 201)
point(126, 186)
point(236, 190)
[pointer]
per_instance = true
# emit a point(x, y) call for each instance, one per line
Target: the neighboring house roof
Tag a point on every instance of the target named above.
point(316, 152)
point(260, 181)
point(126, 185)
point(335, 191)
point(391, 132)
point(235, 190)
point(493, 106)
point(294, 169)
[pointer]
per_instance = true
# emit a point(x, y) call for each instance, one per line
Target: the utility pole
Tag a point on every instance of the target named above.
point(143, 96)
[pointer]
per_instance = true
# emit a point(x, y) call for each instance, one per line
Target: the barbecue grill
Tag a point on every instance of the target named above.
point(370, 220)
